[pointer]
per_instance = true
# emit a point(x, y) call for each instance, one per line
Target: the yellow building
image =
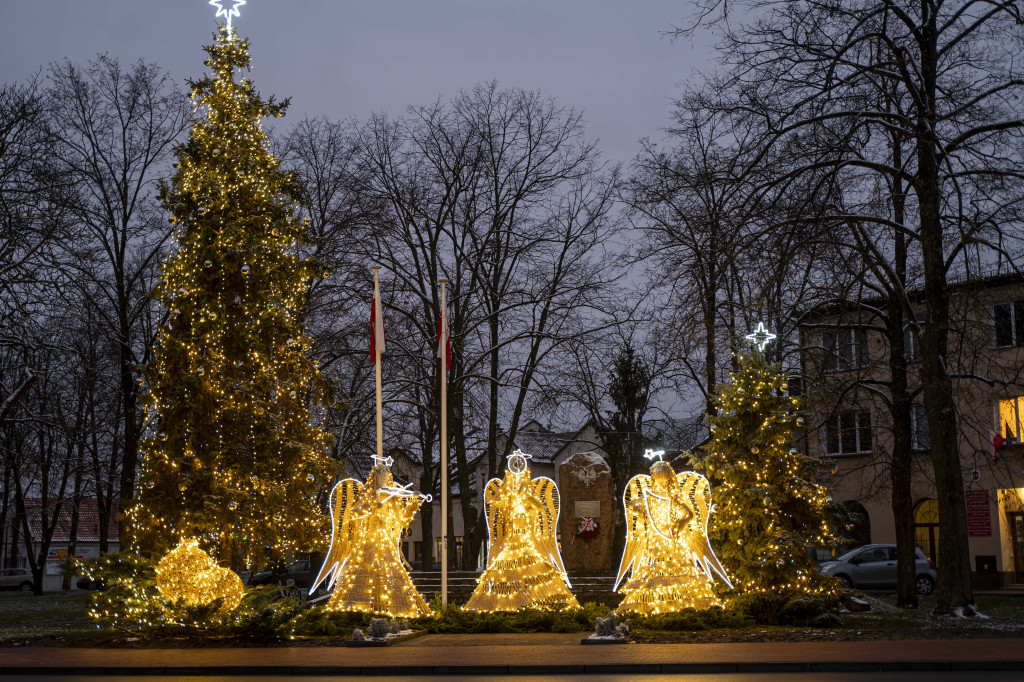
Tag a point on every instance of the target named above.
point(845, 362)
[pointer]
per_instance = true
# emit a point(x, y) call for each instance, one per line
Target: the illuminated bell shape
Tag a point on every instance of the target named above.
point(207, 263)
point(245, 269)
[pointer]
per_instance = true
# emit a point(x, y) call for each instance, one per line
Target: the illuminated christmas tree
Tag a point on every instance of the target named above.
point(769, 511)
point(234, 456)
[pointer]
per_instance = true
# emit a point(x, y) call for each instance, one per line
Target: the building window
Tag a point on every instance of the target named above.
point(926, 528)
point(1008, 324)
point(920, 436)
point(911, 345)
point(845, 348)
point(848, 432)
point(1010, 418)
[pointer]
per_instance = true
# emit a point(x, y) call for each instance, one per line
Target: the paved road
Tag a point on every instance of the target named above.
point(980, 676)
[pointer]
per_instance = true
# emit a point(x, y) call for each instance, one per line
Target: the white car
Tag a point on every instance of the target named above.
point(16, 578)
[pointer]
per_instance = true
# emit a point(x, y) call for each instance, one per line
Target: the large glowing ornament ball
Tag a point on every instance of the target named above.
point(189, 575)
point(524, 568)
point(667, 555)
point(364, 564)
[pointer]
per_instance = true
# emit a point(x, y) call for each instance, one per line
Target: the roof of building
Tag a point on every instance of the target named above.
point(88, 520)
point(542, 444)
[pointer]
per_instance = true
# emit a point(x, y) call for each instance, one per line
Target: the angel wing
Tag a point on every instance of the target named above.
point(495, 525)
point(697, 493)
point(547, 522)
point(342, 499)
point(636, 524)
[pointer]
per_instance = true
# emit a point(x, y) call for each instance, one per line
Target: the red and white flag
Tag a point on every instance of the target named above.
point(444, 342)
point(997, 443)
point(376, 324)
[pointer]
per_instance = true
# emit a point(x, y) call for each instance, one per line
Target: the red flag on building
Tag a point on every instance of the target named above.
point(997, 443)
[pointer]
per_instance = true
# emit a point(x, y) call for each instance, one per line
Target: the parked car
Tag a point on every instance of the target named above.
point(299, 572)
point(874, 567)
point(84, 583)
point(16, 579)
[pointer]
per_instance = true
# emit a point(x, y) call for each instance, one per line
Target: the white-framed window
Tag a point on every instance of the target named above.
point(1010, 418)
point(920, 436)
point(1008, 324)
point(911, 344)
point(845, 348)
point(848, 432)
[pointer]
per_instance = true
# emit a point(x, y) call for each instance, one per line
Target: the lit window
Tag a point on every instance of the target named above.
point(1008, 324)
point(848, 432)
point(845, 348)
point(1010, 418)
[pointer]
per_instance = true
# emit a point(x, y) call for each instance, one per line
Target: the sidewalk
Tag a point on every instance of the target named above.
point(525, 654)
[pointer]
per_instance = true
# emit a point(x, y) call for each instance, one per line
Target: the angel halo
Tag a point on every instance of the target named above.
point(364, 559)
point(524, 568)
point(667, 554)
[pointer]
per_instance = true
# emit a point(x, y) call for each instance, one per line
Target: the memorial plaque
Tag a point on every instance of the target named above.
point(979, 517)
point(585, 486)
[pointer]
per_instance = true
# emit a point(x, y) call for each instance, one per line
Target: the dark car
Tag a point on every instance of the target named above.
point(16, 578)
point(86, 583)
point(874, 567)
point(299, 572)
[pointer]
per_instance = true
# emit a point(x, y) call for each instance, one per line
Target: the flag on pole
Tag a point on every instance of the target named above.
point(997, 443)
point(376, 324)
point(444, 342)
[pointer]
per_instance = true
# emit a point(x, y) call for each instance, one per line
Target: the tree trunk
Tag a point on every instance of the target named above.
point(129, 400)
point(902, 453)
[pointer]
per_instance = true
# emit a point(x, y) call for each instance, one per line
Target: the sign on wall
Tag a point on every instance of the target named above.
point(591, 508)
point(979, 518)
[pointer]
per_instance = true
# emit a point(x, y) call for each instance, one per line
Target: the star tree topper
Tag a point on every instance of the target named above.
point(760, 337)
point(227, 13)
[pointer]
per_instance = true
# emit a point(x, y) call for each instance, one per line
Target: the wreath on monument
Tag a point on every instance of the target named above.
point(586, 528)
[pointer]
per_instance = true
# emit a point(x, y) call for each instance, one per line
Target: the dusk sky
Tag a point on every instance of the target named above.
point(342, 59)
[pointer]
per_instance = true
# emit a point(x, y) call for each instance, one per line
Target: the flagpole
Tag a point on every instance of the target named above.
point(443, 355)
point(376, 365)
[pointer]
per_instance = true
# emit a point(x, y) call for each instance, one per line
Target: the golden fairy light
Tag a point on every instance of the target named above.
point(188, 574)
point(364, 564)
point(667, 555)
point(524, 568)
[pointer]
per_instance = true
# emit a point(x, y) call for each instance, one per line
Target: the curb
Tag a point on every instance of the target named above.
point(582, 669)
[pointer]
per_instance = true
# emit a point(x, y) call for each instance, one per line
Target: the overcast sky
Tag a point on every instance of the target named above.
point(343, 58)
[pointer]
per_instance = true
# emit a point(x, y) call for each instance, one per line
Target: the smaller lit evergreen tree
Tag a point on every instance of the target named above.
point(770, 512)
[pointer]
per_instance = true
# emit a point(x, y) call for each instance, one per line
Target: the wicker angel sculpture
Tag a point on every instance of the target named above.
point(524, 569)
point(667, 552)
point(364, 564)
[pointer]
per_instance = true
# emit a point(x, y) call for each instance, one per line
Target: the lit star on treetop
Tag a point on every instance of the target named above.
point(227, 13)
point(760, 337)
point(651, 454)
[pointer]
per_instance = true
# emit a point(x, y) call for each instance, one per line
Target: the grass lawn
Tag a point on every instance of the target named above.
point(54, 618)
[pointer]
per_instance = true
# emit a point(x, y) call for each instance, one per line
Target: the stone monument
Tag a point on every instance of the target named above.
point(587, 517)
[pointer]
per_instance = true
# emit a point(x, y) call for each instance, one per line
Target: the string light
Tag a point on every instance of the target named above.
point(667, 553)
point(235, 453)
point(189, 575)
point(770, 512)
point(364, 564)
point(524, 568)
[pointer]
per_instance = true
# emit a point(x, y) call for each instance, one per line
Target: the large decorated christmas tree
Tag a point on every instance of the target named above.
point(234, 457)
point(770, 512)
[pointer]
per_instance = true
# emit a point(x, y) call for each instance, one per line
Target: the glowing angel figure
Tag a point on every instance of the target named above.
point(364, 564)
point(667, 552)
point(524, 568)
